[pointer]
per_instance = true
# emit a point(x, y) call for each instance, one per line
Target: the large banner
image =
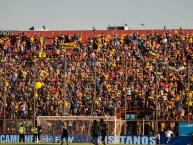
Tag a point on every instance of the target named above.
point(24, 123)
point(14, 138)
point(109, 139)
point(185, 129)
point(133, 139)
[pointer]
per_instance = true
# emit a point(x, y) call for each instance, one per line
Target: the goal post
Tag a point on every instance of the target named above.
point(80, 127)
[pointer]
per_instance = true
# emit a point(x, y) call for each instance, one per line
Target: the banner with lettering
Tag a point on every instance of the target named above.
point(185, 129)
point(133, 139)
point(130, 116)
point(70, 45)
point(8, 32)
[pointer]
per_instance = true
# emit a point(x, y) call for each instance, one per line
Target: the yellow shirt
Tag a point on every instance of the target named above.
point(121, 39)
point(80, 39)
point(44, 54)
point(40, 54)
point(66, 104)
point(31, 39)
point(41, 39)
point(99, 46)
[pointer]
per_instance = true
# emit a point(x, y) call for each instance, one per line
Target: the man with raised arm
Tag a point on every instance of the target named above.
point(65, 132)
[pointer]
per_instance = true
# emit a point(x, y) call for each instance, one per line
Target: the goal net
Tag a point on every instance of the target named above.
point(80, 128)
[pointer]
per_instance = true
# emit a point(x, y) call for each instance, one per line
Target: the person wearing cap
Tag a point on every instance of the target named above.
point(22, 133)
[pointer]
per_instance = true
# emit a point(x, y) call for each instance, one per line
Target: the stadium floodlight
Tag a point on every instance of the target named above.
point(80, 127)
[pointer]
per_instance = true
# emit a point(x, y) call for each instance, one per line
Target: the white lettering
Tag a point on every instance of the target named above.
point(152, 140)
point(2, 138)
point(17, 138)
point(13, 138)
point(26, 138)
point(117, 141)
point(122, 139)
point(7, 138)
point(57, 139)
point(110, 139)
point(99, 140)
point(70, 139)
point(129, 140)
point(31, 138)
point(136, 140)
point(144, 140)
point(106, 139)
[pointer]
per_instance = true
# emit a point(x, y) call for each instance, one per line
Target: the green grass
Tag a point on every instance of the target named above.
point(50, 144)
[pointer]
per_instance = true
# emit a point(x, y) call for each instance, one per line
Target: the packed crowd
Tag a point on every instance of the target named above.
point(96, 76)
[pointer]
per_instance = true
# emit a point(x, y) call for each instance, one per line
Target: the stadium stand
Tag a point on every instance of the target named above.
point(97, 76)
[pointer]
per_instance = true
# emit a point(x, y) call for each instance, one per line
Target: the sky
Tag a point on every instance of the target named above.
point(84, 14)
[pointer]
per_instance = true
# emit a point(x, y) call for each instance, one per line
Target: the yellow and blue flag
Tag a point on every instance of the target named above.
point(153, 53)
point(180, 69)
point(159, 73)
point(172, 68)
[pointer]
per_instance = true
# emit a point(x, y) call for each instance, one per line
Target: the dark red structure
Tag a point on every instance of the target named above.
point(108, 33)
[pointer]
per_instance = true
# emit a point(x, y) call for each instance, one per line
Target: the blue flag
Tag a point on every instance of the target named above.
point(109, 26)
point(32, 28)
point(180, 28)
point(125, 24)
point(94, 29)
point(164, 27)
point(44, 27)
point(143, 25)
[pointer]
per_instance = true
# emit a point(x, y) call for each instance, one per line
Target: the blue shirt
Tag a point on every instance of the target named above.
point(23, 38)
point(134, 36)
point(139, 43)
point(103, 128)
point(65, 128)
point(76, 37)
